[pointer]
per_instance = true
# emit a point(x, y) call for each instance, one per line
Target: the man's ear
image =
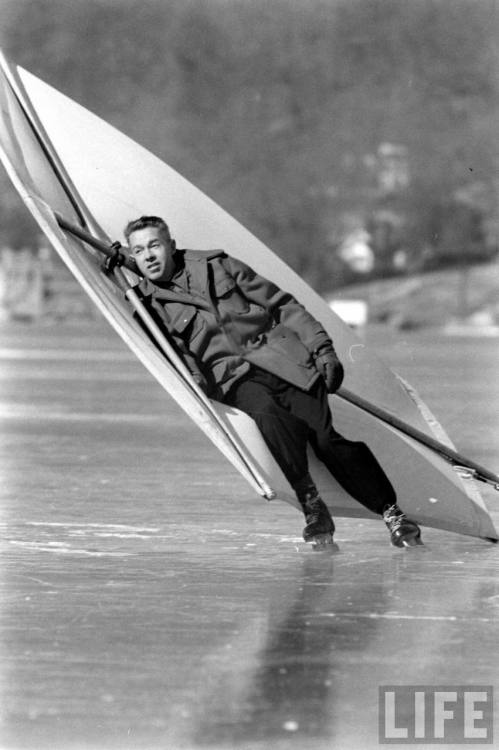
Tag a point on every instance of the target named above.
point(173, 245)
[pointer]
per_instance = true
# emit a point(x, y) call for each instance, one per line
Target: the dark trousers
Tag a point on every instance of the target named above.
point(290, 418)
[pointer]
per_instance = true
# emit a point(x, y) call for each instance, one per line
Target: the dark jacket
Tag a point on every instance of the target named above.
point(224, 317)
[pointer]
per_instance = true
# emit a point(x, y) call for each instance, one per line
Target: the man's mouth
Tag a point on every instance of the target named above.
point(153, 267)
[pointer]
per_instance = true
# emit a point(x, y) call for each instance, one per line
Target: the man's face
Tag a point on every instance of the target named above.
point(153, 250)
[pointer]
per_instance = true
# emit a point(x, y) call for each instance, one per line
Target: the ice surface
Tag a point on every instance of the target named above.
point(150, 600)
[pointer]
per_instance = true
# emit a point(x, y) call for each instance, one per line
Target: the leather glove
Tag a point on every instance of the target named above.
point(115, 259)
point(329, 366)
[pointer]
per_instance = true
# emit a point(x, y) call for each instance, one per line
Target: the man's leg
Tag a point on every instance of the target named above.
point(286, 435)
point(352, 463)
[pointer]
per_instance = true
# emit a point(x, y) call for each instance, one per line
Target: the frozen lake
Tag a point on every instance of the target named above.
point(150, 600)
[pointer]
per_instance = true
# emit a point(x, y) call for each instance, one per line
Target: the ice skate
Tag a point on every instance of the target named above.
point(320, 526)
point(403, 531)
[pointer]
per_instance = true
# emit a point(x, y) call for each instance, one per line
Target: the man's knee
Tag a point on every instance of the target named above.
point(260, 409)
point(331, 442)
point(268, 416)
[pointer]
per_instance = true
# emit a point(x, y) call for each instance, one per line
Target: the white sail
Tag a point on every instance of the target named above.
point(64, 160)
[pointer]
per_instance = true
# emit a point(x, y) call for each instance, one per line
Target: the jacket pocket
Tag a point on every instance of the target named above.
point(229, 296)
point(185, 322)
point(285, 341)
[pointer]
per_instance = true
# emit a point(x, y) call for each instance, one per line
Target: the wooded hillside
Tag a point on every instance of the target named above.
point(316, 123)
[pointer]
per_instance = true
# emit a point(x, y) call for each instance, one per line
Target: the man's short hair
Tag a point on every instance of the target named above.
point(146, 221)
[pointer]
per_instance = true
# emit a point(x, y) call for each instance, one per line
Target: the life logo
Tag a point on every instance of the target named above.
point(430, 714)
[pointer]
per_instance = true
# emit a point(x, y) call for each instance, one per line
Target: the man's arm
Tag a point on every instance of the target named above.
point(283, 306)
point(288, 311)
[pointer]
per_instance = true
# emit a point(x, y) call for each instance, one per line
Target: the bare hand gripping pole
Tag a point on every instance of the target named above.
point(464, 466)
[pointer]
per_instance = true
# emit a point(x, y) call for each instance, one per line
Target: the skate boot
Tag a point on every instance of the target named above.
point(320, 525)
point(403, 531)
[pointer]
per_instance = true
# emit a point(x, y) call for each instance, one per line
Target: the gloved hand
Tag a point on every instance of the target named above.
point(115, 259)
point(329, 366)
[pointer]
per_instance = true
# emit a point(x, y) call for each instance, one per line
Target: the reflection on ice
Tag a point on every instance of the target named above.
point(331, 634)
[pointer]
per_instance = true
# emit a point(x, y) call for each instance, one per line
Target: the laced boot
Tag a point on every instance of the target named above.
point(320, 525)
point(403, 531)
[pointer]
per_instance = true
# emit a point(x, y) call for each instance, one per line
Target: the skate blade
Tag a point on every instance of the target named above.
point(322, 541)
point(414, 541)
point(411, 541)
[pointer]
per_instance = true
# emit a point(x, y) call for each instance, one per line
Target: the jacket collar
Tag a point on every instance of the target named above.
point(199, 293)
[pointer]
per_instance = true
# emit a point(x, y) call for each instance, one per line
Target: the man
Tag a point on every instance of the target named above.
point(253, 346)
